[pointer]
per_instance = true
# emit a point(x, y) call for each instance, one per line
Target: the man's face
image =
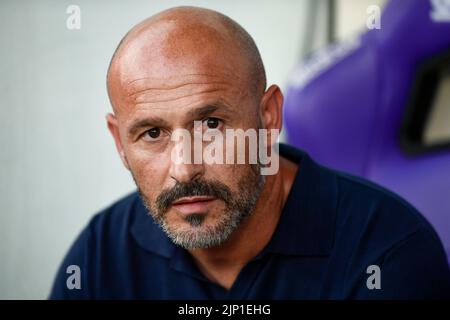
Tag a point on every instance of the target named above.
point(198, 205)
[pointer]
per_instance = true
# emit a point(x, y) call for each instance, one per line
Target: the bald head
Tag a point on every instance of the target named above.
point(177, 80)
point(183, 41)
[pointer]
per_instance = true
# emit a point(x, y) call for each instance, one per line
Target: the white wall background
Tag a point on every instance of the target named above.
point(58, 162)
point(351, 16)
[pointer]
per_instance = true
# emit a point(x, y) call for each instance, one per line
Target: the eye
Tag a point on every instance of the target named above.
point(152, 134)
point(212, 123)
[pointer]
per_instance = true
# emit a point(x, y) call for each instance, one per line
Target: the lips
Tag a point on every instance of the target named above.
point(191, 205)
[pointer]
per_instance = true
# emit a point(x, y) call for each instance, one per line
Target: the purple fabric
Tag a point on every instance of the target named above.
point(348, 114)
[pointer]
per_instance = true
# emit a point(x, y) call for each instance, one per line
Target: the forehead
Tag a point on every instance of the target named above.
point(178, 97)
point(178, 86)
point(155, 65)
point(156, 89)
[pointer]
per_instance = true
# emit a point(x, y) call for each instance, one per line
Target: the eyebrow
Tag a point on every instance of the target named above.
point(196, 113)
point(146, 123)
point(208, 109)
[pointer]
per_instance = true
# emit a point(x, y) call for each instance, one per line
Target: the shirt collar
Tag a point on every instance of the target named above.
point(307, 222)
point(148, 234)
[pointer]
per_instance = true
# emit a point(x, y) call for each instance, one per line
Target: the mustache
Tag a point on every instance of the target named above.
point(191, 189)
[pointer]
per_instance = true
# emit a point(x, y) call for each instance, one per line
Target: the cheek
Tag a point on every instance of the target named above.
point(228, 174)
point(150, 172)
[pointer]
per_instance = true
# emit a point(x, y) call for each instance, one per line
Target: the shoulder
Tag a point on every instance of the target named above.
point(100, 244)
point(375, 226)
point(117, 216)
point(364, 204)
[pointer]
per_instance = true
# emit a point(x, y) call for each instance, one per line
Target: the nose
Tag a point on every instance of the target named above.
point(185, 172)
point(185, 169)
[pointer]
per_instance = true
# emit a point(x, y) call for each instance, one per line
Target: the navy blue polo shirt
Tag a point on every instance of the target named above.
point(338, 237)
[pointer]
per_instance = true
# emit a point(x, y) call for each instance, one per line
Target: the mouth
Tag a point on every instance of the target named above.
point(191, 205)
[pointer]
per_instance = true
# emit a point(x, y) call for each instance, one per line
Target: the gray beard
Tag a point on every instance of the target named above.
point(238, 206)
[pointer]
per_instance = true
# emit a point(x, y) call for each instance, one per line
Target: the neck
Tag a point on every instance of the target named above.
point(222, 264)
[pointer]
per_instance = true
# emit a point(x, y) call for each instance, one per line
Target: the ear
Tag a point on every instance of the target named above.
point(113, 127)
point(272, 108)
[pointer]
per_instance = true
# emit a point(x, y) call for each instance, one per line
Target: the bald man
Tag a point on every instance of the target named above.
point(224, 230)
